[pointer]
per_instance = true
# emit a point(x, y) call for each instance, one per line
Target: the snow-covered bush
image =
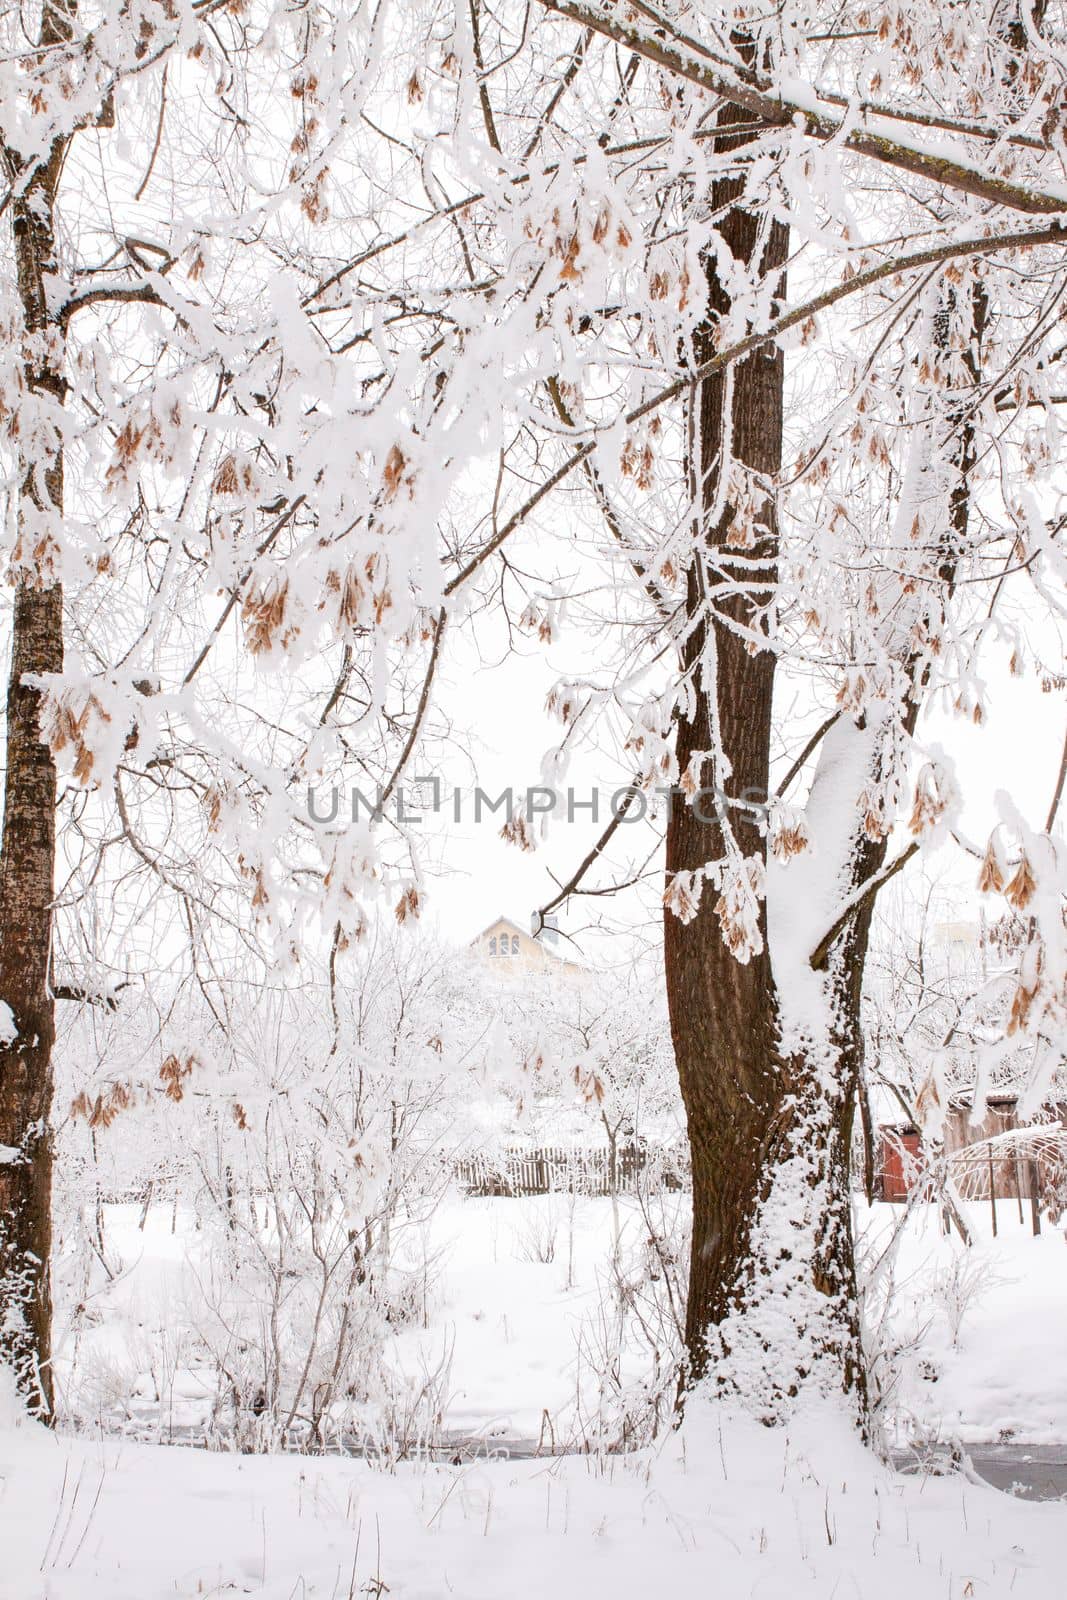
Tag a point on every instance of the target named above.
point(293, 1139)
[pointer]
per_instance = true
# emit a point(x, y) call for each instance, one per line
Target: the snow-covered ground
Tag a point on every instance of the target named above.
point(725, 1508)
point(513, 1291)
point(982, 1329)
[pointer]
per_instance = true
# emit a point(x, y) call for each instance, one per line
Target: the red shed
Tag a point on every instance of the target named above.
point(901, 1150)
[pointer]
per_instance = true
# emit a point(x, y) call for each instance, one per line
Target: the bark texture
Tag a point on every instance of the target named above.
point(772, 1306)
point(26, 874)
point(758, 1118)
point(27, 852)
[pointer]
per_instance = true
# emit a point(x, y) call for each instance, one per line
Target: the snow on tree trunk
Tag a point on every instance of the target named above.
point(28, 848)
point(772, 1304)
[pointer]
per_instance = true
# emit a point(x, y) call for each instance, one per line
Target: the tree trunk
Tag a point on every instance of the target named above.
point(772, 1304)
point(769, 1098)
point(26, 1061)
point(27, 852)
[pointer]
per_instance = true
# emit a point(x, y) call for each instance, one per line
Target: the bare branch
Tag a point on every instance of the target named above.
point(159, 134)
point(420, 710)
point(1058, 796)
point(608, 512)
point(816, 739)
point(264, 545)
point(571, 886)
point(863, 894)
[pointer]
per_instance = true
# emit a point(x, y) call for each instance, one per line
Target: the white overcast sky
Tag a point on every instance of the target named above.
point(1018, 747)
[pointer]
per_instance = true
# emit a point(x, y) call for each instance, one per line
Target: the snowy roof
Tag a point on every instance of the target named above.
point(495, 924)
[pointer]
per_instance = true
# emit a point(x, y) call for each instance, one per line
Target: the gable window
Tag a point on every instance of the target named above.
point(514, 944)
point(492, 945)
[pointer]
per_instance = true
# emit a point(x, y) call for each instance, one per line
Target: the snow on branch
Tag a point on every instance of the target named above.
point(932, 255)
point(797, 105)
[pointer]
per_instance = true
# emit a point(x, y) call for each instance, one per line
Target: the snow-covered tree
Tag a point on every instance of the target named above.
point(320, 319)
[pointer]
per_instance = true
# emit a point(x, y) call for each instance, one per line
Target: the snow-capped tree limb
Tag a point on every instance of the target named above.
point(801, 108)
point(955, 250)
point(83, 995)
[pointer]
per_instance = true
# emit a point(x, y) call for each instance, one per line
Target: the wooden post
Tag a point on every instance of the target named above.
point(992, 1188)
point(1035, 1197)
